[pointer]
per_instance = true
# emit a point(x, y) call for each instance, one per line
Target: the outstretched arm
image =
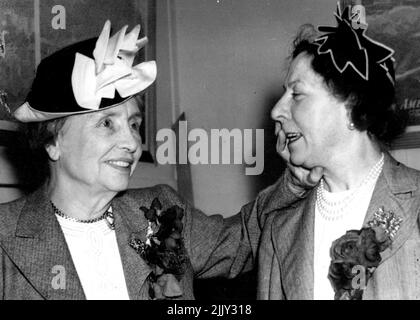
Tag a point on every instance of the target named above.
point(226, 247)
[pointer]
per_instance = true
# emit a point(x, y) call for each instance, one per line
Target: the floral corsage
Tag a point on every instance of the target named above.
point(163, 250)
point(356, 255)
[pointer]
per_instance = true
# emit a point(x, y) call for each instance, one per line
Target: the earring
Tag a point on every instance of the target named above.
point(351, 126)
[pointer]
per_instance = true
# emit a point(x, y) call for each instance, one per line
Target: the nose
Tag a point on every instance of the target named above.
point(281, 111)
point(129, 140)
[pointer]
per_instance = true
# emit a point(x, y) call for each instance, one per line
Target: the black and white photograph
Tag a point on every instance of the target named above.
point(222, 151)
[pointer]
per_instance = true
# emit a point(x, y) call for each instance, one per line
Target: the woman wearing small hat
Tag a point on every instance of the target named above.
point(356, 235)
point(82, 235)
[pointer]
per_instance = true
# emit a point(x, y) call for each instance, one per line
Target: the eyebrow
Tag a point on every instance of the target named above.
point(101, 114)
point(136, 115)
point(107, 113)
point(291, 84)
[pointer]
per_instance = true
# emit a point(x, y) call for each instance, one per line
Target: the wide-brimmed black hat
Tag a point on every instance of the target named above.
point(88, 76)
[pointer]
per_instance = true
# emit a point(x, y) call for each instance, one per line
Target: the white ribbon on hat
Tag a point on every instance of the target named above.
point(111, 69)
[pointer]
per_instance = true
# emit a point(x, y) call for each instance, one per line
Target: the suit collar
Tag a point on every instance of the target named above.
point(35, 215)
point(399, 178)
point(130, 221)
point(40, 251)
point(276, 196)
point(396, 191)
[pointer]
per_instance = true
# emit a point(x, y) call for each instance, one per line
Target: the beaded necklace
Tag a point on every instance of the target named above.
point(107, 215)
point(334, 210)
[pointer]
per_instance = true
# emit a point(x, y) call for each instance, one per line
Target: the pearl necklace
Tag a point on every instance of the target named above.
point(334, 210)
point(107, 215)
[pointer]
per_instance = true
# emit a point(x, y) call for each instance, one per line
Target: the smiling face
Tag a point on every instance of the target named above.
point(99, 150)
point(315, 122)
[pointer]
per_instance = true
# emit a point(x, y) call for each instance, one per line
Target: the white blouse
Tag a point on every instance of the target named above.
point(94, 250)
point(329, 228)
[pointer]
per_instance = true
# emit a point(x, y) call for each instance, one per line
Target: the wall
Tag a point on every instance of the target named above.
point(148, 174)
point(410, 157)
point(230, 57)
point(9, 175)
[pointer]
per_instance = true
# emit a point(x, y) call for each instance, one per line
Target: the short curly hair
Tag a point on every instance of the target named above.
point(38, 136)
point(371, 104)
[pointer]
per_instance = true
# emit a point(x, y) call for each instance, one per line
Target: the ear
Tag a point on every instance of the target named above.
point(348, 105)
point(53, 151)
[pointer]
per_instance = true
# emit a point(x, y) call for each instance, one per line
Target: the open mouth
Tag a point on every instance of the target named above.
point(121, 164)
point(292, 137)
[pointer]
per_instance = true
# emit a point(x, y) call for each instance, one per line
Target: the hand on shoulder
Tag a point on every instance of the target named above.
point(299, 179)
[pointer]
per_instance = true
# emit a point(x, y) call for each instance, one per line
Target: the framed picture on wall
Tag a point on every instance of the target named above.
point(17, 53)
point(396, 23)
point(33, 29)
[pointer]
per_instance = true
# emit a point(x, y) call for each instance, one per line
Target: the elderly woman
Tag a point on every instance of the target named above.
point(356, 235)
point(82, 234)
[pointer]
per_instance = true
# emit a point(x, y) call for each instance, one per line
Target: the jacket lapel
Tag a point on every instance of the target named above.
point(40, 252)
point(293, 233)
point(394, 192)
point(136, 270)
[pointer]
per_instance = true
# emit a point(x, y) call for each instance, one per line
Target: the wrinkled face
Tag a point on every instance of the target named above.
point(314, 121)
point(99, 150)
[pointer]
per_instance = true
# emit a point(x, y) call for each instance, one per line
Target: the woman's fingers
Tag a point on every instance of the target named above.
point(301, 177)
point(281, 147)
point(305, 178)
point(298, 173)
point(315, 175)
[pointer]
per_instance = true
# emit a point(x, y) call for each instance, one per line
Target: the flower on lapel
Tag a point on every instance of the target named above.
point(111, 69)
point(360, 251)
point(355, 248)
point(163, 249)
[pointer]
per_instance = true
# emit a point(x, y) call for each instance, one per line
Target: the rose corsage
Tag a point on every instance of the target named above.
point(356, 255)
point(163, 250)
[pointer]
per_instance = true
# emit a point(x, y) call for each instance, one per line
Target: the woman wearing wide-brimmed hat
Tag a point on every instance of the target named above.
point(82, 234)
